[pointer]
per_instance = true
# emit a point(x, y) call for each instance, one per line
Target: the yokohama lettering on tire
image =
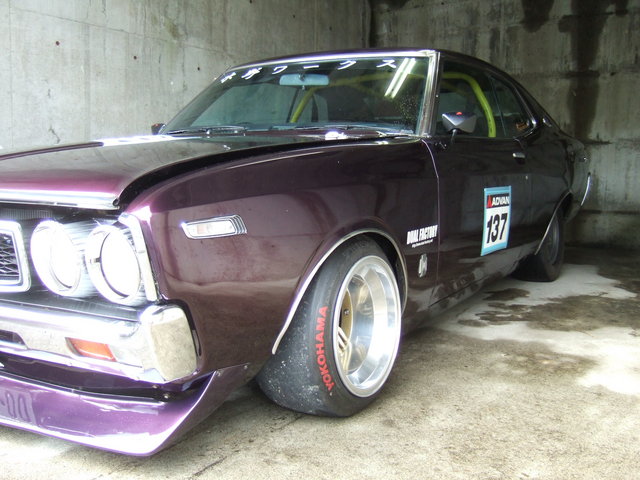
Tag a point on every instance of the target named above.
point(342, 343)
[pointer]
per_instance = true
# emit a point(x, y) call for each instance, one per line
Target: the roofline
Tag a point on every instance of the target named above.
point(339, 54)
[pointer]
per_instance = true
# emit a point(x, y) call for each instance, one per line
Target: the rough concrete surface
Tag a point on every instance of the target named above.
point(579, 58)
point(77, 70)
point(522, 381)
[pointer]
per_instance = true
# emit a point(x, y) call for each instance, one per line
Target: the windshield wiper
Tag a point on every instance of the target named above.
point(354, 126)
point(210, 130)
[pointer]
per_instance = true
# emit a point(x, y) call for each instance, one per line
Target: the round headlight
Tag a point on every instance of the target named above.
point(57, 254)
point(113, 265)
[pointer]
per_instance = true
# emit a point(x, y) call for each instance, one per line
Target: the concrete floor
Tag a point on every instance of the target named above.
point(523, 381)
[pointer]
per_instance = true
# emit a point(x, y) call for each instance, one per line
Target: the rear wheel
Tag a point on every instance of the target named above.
point(545, 266)
point(343, 341)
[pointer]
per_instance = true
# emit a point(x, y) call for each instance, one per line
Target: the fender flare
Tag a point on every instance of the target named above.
point(561, 204)
point(310, 274)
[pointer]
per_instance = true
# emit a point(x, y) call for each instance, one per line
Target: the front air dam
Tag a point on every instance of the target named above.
point(133, 426)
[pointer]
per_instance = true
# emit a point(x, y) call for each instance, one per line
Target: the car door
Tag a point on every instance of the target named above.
point(543, 153)
point(484, 189)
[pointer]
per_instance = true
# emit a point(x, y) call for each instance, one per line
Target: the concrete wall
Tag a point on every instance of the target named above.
point(580, 58)
point(72, 70)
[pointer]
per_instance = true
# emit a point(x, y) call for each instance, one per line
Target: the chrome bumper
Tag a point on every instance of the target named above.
point(156, 347)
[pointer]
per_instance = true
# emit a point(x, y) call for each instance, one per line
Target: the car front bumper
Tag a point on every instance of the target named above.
point(155, 344)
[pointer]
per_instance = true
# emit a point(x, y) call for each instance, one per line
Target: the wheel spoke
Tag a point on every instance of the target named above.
point(344, 347)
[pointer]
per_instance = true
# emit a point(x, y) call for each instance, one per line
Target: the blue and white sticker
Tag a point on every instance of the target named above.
point(497, 219)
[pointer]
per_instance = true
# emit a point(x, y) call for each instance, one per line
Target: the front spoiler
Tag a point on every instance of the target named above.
point(127, 425)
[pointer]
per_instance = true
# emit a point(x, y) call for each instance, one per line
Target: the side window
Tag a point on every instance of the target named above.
point(469, 90)
point(514, 119)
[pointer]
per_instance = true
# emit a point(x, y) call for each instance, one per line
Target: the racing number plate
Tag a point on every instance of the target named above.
point(497, 219)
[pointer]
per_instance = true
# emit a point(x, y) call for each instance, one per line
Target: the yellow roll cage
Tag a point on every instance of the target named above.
point(357, 83)
point(480, 96)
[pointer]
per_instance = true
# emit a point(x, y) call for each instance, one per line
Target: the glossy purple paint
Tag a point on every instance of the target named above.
point(300, 196)
point(125, 425)
point(110, 166)
point(296, 207)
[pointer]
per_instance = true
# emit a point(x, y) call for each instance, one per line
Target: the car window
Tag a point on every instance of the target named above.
point(514, 118)
point(468, 90)
point(236, 105)
point(378, 92)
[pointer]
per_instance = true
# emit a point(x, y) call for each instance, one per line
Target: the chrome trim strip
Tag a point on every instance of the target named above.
point(84, 200)
point(15, 231)
point(428, 102)
point(587, 190)
point(305, 285)
point(148, 280)
point(546, 232)
point(337, 56)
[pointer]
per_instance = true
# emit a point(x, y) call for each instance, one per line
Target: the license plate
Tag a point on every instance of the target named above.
point(16, 406)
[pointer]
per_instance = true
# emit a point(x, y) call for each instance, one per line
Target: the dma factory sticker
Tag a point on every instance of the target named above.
point(497, 219)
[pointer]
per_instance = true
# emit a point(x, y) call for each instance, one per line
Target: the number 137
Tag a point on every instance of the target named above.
point(495, 227)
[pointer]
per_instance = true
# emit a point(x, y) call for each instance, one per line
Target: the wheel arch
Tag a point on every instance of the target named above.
point(383, 239)
point(564, 206)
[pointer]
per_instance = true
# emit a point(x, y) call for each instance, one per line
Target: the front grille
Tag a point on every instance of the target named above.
point(14, 272)
point(9, 268)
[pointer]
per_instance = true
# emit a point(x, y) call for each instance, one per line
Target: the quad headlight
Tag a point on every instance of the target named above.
point(113, 265)
point(57, 254)
point(81, 259)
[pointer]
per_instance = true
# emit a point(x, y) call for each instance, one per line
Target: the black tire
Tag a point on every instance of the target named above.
point(546, 265)
point(343, 340)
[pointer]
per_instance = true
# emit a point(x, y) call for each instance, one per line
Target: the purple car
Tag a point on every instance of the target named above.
point(288, 226)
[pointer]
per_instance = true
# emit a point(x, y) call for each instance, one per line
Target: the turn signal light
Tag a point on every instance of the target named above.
point(89, 349)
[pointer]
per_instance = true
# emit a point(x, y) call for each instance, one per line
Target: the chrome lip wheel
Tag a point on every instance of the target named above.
point(366, 337)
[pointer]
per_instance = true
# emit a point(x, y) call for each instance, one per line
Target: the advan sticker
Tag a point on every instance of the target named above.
point(497, 219)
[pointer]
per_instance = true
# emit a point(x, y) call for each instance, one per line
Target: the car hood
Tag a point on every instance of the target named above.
point(95, 174)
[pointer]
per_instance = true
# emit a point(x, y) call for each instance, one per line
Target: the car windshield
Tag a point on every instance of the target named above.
point(381, 93)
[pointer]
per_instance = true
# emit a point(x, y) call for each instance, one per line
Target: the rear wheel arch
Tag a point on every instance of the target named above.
point(563, 206)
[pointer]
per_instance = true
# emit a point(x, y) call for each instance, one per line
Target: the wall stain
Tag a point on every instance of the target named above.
point(536, 14)
point(380, 9)
point(585, 26)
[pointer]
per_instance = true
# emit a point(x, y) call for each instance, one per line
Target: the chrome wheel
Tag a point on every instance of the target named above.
point(367, 333)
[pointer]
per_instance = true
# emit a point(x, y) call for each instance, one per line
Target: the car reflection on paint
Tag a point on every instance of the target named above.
point(288, 225)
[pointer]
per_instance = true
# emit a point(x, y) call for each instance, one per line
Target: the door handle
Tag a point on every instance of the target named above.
point(520, 157)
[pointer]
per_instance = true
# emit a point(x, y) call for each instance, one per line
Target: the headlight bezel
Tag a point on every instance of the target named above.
point(101, 273)
point(45, 240)
point(85, 241)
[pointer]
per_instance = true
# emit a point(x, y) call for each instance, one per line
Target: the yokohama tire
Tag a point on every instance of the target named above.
point(342, 343)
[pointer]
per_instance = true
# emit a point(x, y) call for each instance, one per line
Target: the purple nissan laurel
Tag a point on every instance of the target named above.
point(288, 225)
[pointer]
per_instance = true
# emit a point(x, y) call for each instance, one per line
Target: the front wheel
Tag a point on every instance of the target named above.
point(342, 343)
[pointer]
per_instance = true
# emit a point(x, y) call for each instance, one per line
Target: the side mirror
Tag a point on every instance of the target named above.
point(455, 122)
point(156, 127)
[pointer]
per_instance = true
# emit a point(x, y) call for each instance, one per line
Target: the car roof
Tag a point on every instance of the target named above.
point(368, 52)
